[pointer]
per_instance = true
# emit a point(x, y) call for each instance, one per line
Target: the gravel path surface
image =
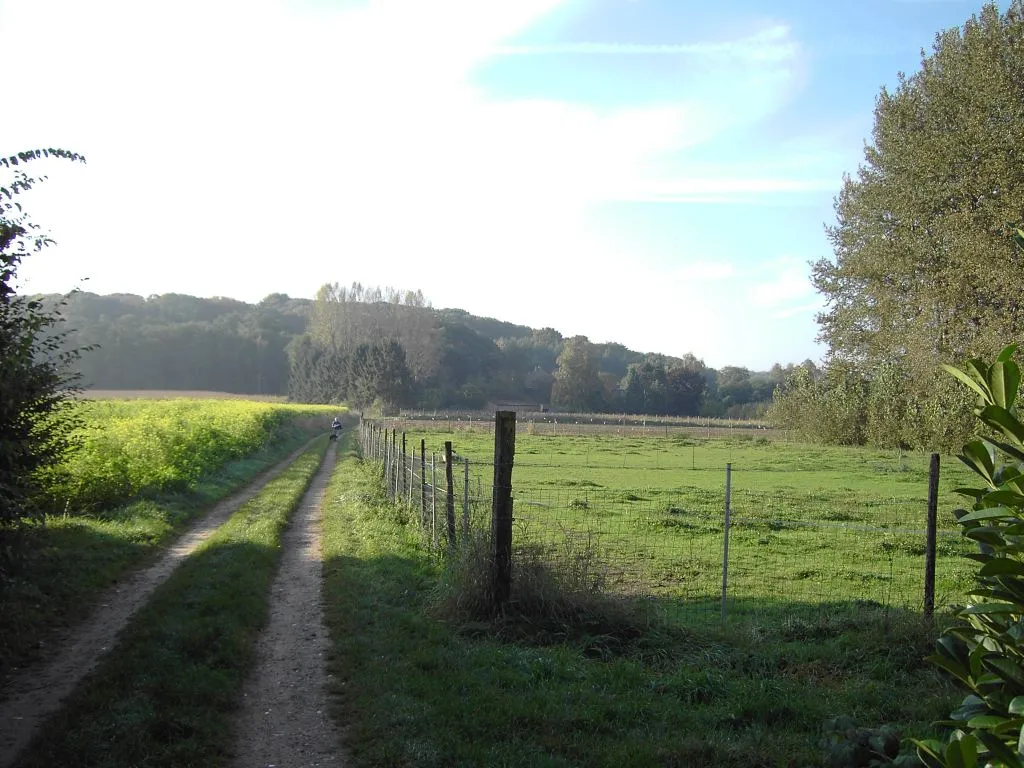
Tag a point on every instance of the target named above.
point(35, 692)
point(284, 722)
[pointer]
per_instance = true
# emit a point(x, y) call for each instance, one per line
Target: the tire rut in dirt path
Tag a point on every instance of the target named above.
point(283, 719)
point(33, 693)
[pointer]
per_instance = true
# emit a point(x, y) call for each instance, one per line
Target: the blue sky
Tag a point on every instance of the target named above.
point(653, 172)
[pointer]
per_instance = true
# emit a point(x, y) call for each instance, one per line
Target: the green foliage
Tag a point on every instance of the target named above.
point(849, 746)
point(127, 447)
point(34, 368)
point(826, 407)
point(577, 386)
point(984, 650)
point(924, 270)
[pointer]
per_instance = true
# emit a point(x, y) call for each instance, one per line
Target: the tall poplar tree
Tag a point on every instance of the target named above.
point(924, 269)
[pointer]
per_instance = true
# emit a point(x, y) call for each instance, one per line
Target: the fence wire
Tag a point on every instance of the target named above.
point(789, 553)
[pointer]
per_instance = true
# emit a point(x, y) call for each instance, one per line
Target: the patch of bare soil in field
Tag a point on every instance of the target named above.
point(33, 693)
point(284, 720)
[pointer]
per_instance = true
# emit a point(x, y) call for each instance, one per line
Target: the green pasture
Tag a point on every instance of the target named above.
point(812, 527)
point(418, 686)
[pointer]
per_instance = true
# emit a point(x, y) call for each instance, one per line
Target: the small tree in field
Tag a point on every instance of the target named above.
point(34, 377)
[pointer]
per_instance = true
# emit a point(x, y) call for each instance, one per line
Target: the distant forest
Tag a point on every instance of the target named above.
point(387, 349)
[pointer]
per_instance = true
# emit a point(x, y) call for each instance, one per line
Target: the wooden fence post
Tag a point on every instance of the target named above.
point(393, 485)
point(423, 484)
point(404, 463)
point(465, 501)
point(387, 463)
point(449, 492)
point(501, 511)
point(433, 498)
point(725, 539)
point(929, 546)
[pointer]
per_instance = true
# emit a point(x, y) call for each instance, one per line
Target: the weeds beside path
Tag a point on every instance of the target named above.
point(183, 656)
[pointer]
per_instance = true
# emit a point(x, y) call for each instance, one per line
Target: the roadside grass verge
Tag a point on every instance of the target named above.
point(421, 685)
point(66, 564)
point(164, 696)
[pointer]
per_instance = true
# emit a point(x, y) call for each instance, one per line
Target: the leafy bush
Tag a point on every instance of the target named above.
point(984, 649)
point(34, 369)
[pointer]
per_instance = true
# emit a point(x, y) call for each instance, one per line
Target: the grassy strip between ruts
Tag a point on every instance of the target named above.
point(164, 696)
point(71, 560)
point(416, 690)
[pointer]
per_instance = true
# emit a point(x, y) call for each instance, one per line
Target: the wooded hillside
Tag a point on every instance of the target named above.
point(389, 348)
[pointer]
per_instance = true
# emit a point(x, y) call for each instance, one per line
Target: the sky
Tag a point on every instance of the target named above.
point(657, 173)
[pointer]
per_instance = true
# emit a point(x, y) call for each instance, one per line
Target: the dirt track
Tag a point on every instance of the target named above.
point(284, 719)
point(34, 693)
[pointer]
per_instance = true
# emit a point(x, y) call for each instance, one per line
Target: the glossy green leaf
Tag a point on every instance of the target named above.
point(970, 382)
point(1009, 350)
point(1008, 668)
point(984, 608)
point(1000, 750)
point(985, 721)
point(1007, 448)
point(1001, 566)
point(1004, 379)
point(1001, 419)
point(978, 457)
point(992, 513)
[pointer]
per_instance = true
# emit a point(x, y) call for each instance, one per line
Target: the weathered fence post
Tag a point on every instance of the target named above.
point(387, 463)
point(929, 546)
point(423, 484)
point(433, 498)
point(501, 514)
point(725, 544)
point(404, 463)
point(393, 486)
point(449, 492)
point(465, 501)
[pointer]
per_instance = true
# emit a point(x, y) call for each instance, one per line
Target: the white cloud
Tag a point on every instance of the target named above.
point(239, 148)
point(772, 44)
point(783, 286)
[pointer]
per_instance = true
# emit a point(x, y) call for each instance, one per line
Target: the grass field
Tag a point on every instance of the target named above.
point(419, 686)
point(811, 526)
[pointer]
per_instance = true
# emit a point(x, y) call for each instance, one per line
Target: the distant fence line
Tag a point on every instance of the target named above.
point(569, 424)
point(706, 554)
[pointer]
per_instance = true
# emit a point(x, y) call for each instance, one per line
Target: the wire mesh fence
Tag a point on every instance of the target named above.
point(776, 554)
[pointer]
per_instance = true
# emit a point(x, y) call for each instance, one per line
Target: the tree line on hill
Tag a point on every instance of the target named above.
point(385, 348)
